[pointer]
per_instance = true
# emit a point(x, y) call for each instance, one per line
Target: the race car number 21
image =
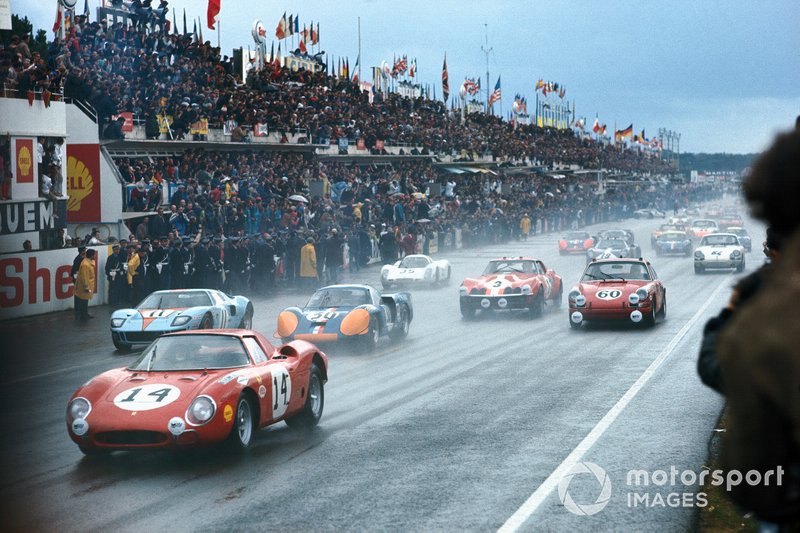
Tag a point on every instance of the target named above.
point(609, 295)
point(147, 397)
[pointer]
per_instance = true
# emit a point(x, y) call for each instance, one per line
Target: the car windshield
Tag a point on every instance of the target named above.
point(719, 240)
point(192, 352)
point(616, 270)
point(704, 224)
point(175, 300)
point(673, 227)
point(414, 261)
point(509, 266)
point(615, 234)
point(738, 232)
point(339, 297)
point(577, 236)
point(672, 236)
point(614, 244)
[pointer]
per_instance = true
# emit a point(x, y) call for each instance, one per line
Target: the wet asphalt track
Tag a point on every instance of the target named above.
point(451, 430)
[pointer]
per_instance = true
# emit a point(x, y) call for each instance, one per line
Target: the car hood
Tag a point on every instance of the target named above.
point(591, 288)
point(175, 386)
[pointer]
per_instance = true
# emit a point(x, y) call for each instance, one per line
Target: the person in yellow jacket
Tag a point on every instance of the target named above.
point(85, 284)
point(308, 263)
point(525, 226)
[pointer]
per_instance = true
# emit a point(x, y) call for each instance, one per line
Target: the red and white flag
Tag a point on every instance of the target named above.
point(213, 12)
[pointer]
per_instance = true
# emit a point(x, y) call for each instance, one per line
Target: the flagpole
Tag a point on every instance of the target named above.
point(219, 23)
point(486, 51)
point(359, 49)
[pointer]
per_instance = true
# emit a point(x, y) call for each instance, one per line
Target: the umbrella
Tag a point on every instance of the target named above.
point(298, 198)
point(418, 195)
point(549, 194)
point(423, 220)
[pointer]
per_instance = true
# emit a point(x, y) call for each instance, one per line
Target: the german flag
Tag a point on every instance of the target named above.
point(627, 133)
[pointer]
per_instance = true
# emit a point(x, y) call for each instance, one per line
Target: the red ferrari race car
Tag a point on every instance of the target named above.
point(197, 388)
point(511, 283)
point(575, 242)
point(618, 289)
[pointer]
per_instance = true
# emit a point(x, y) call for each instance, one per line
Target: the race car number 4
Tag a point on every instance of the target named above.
point(147, 397)
point(609, 295)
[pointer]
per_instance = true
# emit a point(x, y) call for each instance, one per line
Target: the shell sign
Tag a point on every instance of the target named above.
point(24, 160)
point(83, 182)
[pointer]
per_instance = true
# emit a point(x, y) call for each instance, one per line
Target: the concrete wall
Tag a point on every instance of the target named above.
point(19, 118)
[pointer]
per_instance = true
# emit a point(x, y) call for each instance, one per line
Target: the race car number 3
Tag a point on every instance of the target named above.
point(147, 397)
point(609, 295)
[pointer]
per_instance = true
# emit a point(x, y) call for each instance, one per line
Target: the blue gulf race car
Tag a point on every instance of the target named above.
point(178, 310)
point(348, 312)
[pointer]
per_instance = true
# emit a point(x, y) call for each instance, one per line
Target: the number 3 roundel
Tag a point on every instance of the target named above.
point(147, 397)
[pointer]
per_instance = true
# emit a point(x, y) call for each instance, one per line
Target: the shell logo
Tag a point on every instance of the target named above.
point(79, 183)
point(24, 160)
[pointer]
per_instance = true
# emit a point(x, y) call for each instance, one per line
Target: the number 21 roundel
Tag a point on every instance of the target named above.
point(147, 397)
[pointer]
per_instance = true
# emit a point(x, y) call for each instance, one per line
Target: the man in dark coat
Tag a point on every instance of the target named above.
point(115, 275)
point(177, 278)
point(333, 256)
point(214, 272)
point(161, 263)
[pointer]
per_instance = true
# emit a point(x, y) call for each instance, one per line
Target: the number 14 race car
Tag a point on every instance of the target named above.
point(511, 283)
point(198, 388)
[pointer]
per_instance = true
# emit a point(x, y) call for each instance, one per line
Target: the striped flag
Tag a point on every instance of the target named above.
point(445, 80)
point(496, 94)
point(280, 30)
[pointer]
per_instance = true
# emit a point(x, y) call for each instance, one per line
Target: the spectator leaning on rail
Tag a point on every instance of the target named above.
point(759, 353)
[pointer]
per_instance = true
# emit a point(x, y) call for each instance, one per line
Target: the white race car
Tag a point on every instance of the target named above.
point(416, 270)
point(719, 251)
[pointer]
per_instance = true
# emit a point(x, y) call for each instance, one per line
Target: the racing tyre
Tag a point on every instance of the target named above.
point(650, 319)
point(699, 269)
point(247, 319)
point(537, 308)
point(315, 401)
point(118, 344)
point(206, 323)
point(663, 311)
point(401, 330)
point(370, 340)
point(740, 268)
point(467, 312)
point(243, 425)
point(559, 299)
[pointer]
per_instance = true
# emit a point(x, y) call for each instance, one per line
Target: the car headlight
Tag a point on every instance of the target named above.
point(79, 408)
point(385, 273)
point(462, 291)
point(181, 320)
point(580, 300)
point(698, 256)
point(117, 322)
point(526, 289)
point(642, 294)
point(736, 254)
point(573, 294)
point(201, 410)
point(633, 298)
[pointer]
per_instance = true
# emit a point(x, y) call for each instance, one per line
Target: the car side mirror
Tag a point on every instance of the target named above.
point(232, 309)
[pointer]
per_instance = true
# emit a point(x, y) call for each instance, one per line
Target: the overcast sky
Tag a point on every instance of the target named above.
point(724, 74)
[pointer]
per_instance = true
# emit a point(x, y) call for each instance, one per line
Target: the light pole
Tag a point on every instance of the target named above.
point(486, 50)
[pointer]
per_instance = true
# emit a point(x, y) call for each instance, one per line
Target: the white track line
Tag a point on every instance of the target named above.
point(543, 491)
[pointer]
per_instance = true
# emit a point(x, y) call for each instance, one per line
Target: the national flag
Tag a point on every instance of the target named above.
point(277, 59)
point(174, 22)
point(316, 35)
point(302, 46)
point(347, 68)
point(562, 92)
point(296, 28)
point(280, 29)
point(627, 133)
point(412, 71)
point(86, 11)
point(290, 26)
point(643, 140)
point(212, 14)
point(356, 69)
point(496, 94)
point(445, 80)
point(539, 85)
point(194, 32)
point(57, 23)
point(201, 32)
point(596, 127)
point(184, 22)
point(272, 52)
point(602, 130)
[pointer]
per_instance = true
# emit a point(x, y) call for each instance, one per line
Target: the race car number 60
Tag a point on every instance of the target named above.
point(609, 295)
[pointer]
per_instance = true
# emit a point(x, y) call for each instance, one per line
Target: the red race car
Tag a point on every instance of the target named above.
point(196, 388)
point(618, 289)
point(575, 242)
point(511, 283)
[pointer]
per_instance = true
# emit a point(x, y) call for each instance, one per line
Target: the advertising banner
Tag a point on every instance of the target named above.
point(23, 156)
point(40, 282)
point(199, 128)
point(127, 127)
point(83, 183)
point(33, 215)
